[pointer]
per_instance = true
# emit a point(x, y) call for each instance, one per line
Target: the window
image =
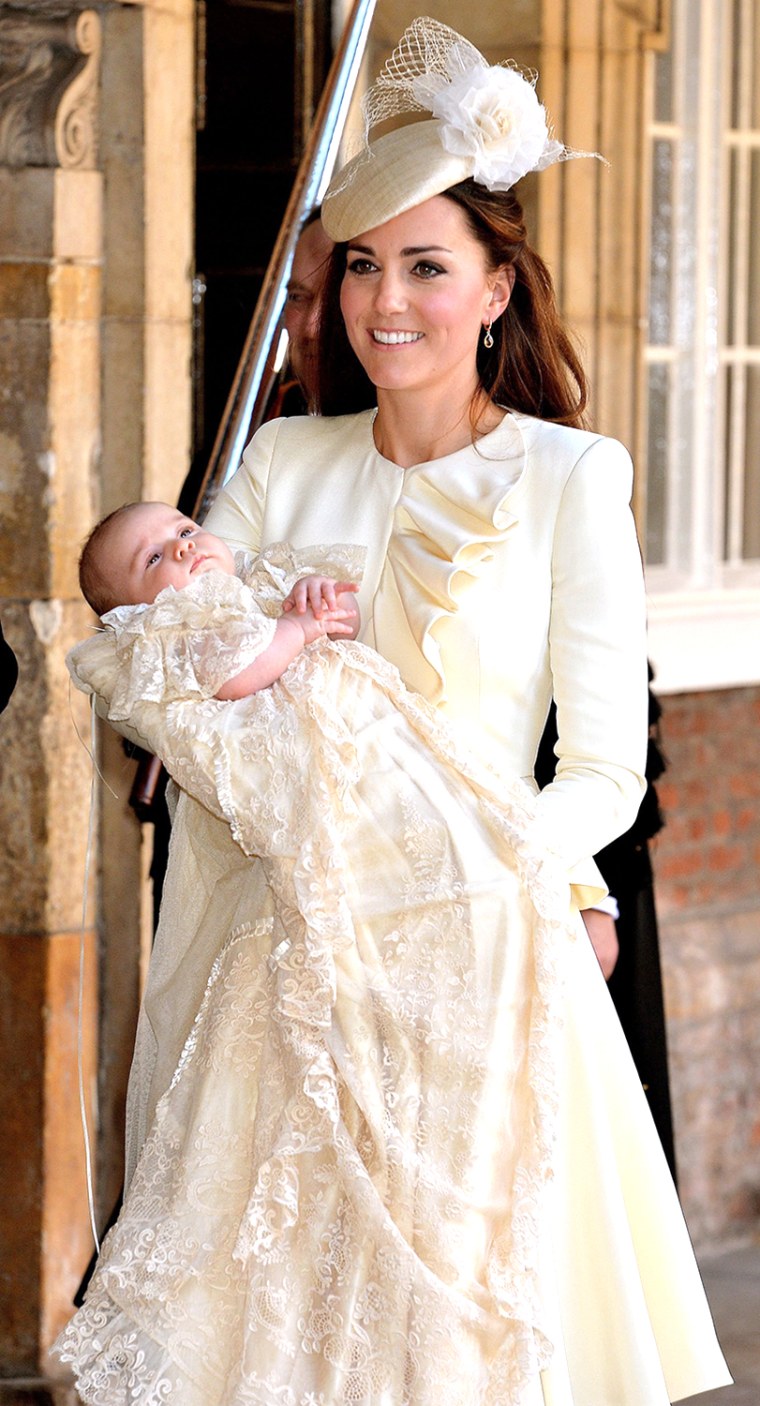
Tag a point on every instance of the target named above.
point(701, 358)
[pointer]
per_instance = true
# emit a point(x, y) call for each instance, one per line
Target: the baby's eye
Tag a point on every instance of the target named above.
point(187, 531)
point(153, 558)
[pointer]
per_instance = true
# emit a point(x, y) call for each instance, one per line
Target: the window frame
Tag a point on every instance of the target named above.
point(704, 601)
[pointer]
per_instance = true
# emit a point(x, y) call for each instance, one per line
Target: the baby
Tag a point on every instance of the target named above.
point(142, 549)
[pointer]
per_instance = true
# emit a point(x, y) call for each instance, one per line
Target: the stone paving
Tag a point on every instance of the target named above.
point(732, 1281)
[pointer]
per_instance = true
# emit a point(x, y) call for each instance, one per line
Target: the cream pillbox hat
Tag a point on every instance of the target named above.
point(407, 166)
point(487, 124)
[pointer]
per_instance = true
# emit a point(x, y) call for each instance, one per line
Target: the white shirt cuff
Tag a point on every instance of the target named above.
point(608, 905)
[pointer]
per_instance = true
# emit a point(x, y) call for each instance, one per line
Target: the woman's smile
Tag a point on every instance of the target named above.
point(395, 339)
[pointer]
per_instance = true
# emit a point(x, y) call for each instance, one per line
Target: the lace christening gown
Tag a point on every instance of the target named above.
point(343, 1194)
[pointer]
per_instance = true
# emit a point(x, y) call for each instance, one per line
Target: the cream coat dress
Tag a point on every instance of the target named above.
point(494, 577)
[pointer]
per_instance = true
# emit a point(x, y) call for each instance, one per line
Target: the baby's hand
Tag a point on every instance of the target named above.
point(318, 592)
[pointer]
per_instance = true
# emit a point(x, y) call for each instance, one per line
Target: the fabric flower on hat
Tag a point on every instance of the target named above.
point(491, 114)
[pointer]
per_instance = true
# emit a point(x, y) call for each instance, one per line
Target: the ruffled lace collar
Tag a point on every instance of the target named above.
point(210, 589)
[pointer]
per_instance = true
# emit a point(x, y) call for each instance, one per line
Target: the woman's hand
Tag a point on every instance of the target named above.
point(604, 939)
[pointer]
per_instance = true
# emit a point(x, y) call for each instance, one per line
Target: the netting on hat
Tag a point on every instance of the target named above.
point(421, 63)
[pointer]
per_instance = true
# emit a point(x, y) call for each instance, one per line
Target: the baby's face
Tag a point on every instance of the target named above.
point(153, 546)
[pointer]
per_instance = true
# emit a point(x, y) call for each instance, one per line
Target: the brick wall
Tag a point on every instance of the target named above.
point(707, 872)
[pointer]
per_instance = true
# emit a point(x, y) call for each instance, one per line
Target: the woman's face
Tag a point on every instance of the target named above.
point(415, 297)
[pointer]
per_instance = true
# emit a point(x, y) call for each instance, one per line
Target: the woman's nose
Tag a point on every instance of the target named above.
point(390, 295)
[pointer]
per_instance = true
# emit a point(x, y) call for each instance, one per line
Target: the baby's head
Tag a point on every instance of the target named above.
point(141, 548)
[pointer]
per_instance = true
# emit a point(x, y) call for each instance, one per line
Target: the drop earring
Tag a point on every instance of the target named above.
point(488, 338)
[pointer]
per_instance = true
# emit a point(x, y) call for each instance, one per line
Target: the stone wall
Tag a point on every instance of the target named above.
point(50, 371)
point(707, 868)
point(96, 142)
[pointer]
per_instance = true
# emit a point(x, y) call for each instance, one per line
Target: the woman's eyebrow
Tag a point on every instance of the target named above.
point(425, 249)
point(406, 253)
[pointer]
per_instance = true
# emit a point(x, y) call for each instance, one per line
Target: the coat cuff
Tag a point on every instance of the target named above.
point(587, 886)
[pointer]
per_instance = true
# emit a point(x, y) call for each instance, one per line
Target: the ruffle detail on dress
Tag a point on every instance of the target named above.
point(449, 519)
point(186, 644)
point(274, 573)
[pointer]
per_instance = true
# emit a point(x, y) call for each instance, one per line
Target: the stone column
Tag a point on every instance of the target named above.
point(50, 292)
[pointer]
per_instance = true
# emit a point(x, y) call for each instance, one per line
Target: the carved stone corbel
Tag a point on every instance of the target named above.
point(49, 69)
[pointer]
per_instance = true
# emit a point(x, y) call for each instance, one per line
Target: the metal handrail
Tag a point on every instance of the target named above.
point(251, 387)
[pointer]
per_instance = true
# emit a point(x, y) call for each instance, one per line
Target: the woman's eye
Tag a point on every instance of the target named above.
point(361, 266)
point(424, 269)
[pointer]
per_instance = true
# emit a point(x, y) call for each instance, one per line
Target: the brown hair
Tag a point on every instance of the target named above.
point(533, 366)
point(93, 581)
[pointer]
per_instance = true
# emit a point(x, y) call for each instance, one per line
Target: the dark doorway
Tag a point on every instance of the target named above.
point(261, 69)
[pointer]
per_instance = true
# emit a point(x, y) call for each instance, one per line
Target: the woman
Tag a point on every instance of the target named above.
point(502, 565)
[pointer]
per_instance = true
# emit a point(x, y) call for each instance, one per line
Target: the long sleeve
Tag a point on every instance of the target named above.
point(237, 514)
point(597, 640)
